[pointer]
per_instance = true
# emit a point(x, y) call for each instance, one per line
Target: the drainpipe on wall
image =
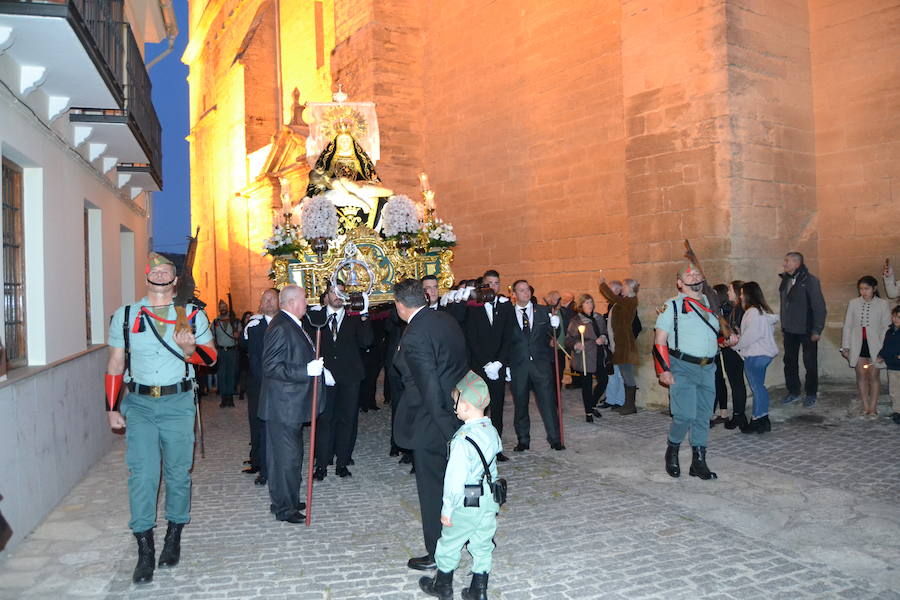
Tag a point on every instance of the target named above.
point(171, 24)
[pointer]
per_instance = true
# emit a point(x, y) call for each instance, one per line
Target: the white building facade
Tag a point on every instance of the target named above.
point(80, 149)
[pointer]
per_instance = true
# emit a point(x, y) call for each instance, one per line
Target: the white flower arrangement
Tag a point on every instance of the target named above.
point(400, 215)
point(285, 239)
point(440, 233)
point(318, 217)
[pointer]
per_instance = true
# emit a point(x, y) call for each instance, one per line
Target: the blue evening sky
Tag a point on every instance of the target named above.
point(172, 206)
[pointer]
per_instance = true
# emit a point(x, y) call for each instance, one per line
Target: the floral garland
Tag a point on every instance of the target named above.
point(440, 234)
point(399, 216)
point(285, 239)
point(318, 217)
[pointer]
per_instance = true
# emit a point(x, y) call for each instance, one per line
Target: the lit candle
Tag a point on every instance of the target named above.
point(423, 181)
point(583, 350)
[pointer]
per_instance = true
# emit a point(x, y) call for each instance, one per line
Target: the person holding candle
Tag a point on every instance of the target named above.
point(586, 337)
point(868, 318)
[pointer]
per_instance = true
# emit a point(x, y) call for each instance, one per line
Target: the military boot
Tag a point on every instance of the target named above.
point(698, 464)
point(171, 551)
point(143, 570)
point(672, 466)
point(477, 590)
point(440, 586)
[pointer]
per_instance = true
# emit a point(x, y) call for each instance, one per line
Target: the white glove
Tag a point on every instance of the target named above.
point(508, 378)
point(492, 370)
point(446, 298)
point(554, 321)
point(314, 368)
point(466, 293)
point(502, 299)
point(329, 378)
point(365, 308)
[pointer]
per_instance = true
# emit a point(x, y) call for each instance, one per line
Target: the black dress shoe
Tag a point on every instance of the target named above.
point(557, 446)
point(520, 447)
point(596, 412)
point(260, 480)
point(295, 518)
point(374, 408)
point(406, 459)
point(394, 452)
point(352, 462)
point(320, 473)
point(605, 405)
point(246, 462)
point(250, 470)
point(363, 409)
point(343, 472)
point(422, 563)
point(502, 457)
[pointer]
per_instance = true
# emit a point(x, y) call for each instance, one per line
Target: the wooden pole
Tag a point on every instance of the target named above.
point(312, 436)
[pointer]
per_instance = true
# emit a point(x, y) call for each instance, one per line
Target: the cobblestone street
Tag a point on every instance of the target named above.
point(808, 511)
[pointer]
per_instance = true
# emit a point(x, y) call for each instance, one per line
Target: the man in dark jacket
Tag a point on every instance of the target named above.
point(802, 321)
point(430, 359)
point(290, 370)
point(254, 335)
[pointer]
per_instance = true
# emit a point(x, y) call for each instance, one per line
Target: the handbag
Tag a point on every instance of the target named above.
point(498, 487)
point(604, 356)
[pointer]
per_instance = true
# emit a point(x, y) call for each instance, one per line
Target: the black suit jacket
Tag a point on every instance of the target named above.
point(342, 356)
point(487, 340)
point(286, 394)
point(523, 348)
point(431, 359)
point(253, 344)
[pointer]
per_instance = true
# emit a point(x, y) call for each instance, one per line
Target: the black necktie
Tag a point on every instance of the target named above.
point(334, 327)
point(526, 325)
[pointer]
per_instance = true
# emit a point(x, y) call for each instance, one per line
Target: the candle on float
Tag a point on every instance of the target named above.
point(583, 350)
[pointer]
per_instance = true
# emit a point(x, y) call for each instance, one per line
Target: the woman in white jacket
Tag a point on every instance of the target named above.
point(868, 318)
point(757, 347)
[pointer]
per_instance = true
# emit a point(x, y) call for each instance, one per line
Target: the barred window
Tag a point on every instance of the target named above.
point(13, 265)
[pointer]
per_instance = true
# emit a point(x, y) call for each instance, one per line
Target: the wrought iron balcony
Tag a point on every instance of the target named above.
point(107, 39)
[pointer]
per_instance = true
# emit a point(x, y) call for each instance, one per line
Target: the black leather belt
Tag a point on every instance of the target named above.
point(697, 360)
point(156, 391)
point(227, 347)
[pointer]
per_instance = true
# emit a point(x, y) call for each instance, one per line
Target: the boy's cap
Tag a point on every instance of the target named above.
point(473, 390)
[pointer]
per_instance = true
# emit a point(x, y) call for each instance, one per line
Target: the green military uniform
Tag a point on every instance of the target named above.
point(160, 425)
point(477, 524)
point(692, 340)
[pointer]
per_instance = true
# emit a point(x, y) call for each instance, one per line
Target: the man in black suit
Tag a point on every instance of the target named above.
point(252, 340)
point(531, 366)
point(344, 336)
point(487, 328)
point(431, 359)
point(290, 370)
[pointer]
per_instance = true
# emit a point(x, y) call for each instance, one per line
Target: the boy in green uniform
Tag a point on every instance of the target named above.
point(473, 524)
point(157, 411)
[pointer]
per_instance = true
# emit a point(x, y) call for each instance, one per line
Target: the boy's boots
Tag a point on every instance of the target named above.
point(440, 586)
point(477, 590)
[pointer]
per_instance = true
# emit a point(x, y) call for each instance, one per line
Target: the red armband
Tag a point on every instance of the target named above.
point(113, 387)
point(204, 356)
point(661, 358)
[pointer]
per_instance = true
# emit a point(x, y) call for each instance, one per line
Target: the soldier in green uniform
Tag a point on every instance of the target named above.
point(462, 524)
point(686, 345)
point(226, 334)
point(157, 411)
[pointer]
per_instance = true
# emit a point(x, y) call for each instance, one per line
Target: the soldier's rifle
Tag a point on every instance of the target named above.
point(185, 293)
point(689, 254)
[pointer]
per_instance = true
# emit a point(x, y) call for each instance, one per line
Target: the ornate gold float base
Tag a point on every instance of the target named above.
point(388, 263)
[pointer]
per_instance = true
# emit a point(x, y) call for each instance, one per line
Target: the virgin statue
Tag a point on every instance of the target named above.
point(347, 175)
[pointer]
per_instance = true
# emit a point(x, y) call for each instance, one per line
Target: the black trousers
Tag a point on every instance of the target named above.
point(734, 370)
point(721, 388)
point(792, 344)
point(497, 391)
point(257, 427)
point(430, 464)
point(336, 427)
point(537, 376)
point(590, 394)
point(372, 365)
point(284, 453)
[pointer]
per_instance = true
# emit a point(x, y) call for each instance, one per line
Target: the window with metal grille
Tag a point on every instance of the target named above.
point(13, 265)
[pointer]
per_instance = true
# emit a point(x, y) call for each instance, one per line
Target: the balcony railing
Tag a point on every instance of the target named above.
point(108, 39)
